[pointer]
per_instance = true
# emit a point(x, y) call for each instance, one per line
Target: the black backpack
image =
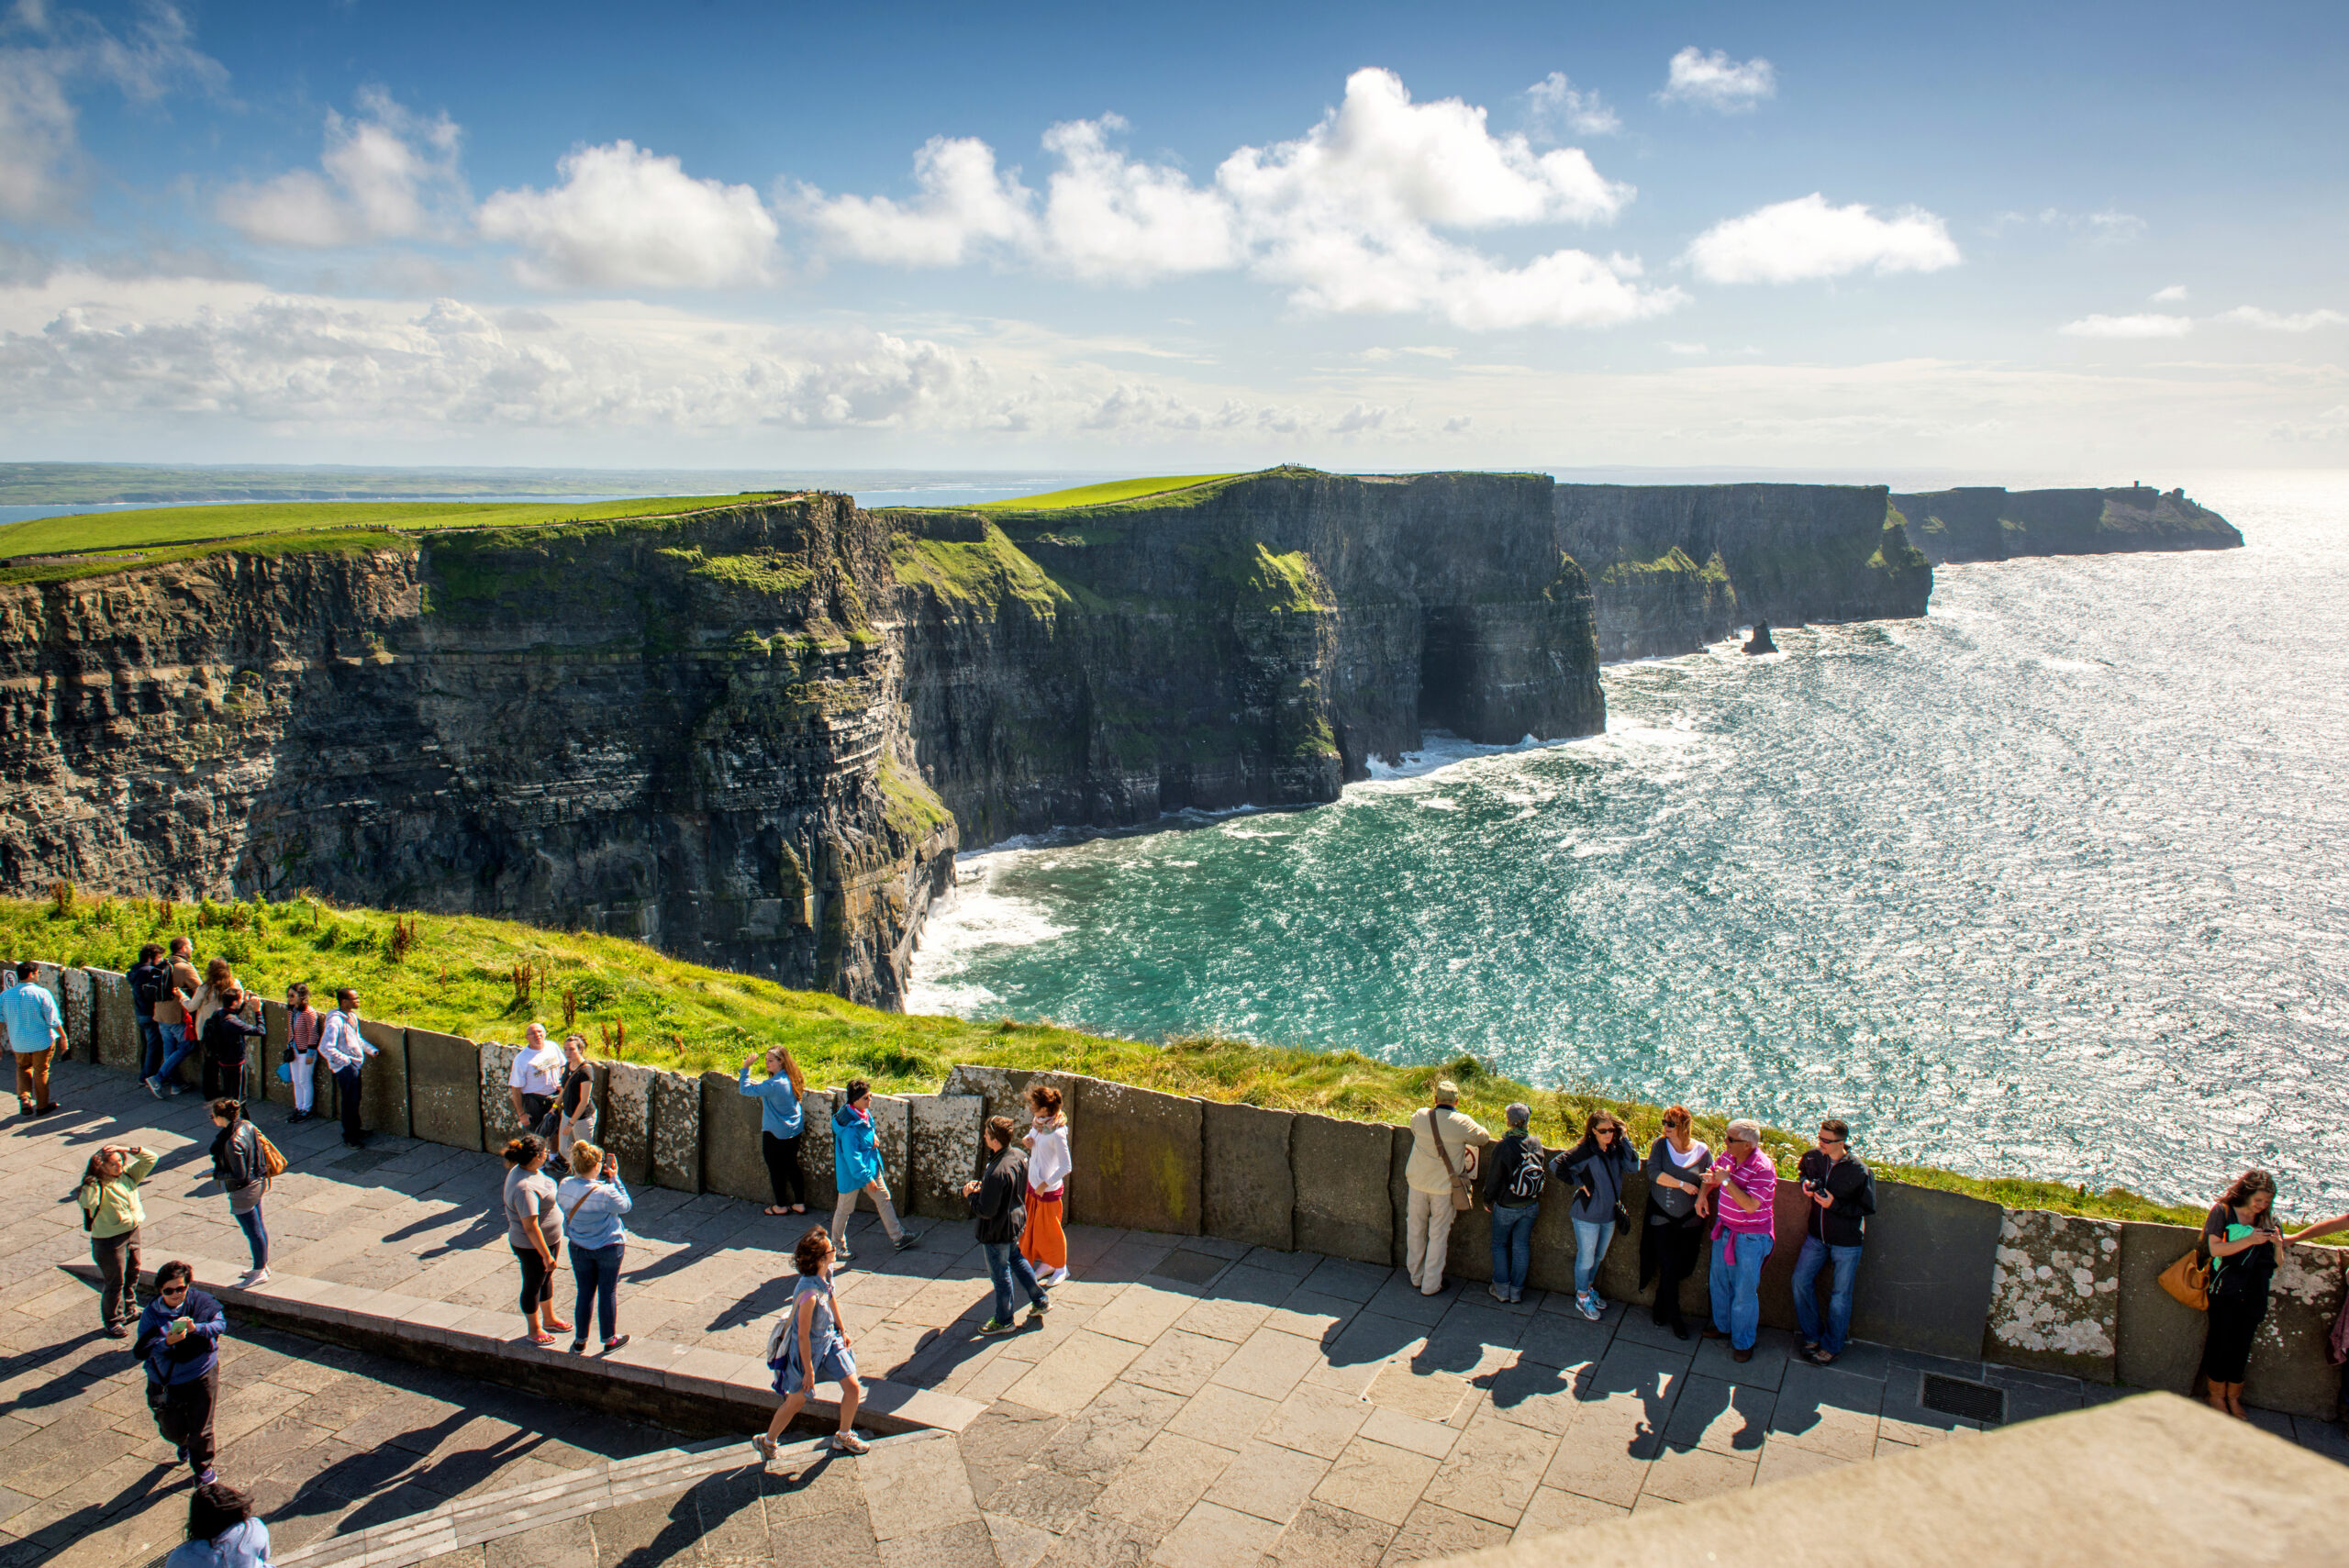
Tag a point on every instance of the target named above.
point(147, 987)
point(1523, 1185)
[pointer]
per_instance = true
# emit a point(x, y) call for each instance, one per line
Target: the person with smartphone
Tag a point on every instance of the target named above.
point(1841, 1193)
point(593, 1199)
point(179, 1340)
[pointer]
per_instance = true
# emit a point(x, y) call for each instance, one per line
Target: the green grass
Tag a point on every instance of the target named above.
point(1103, 495)
point(336, 541)
point(186, 525)
point(458, 978)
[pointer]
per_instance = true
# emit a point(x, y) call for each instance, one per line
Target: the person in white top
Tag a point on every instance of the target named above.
point(536, 1080)
point(1044, 1242)
point(344, 1049)
point(1443, 1147)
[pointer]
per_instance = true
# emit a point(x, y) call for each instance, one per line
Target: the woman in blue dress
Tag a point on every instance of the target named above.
point(811, 1345)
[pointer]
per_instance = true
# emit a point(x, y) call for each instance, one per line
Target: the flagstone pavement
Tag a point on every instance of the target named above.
point(1186, 1401)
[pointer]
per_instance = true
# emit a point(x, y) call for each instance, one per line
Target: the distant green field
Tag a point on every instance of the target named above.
point(1103, 494)
point(189, 524)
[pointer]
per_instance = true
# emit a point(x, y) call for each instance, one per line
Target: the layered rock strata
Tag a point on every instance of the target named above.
point(1674, 567)
point(1991, 523)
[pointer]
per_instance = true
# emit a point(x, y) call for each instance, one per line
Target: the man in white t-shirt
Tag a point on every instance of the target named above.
point(538, 1077)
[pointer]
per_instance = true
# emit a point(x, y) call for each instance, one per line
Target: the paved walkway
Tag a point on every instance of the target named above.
point(1185, 1402)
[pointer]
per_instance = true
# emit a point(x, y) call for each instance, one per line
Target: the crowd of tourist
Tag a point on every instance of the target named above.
point(1692, 1196)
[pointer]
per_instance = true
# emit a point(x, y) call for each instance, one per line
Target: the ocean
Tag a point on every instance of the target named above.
point(2049, 883)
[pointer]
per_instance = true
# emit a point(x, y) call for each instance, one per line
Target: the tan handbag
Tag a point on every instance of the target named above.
point(1464, 1193)
point(2188, 1280)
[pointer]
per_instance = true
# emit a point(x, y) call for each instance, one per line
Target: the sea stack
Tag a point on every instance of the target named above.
point(1760, 641)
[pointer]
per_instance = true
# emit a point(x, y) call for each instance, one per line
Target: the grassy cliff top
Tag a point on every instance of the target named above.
point(167, 526)
point(459, 976)
point(1115, 491)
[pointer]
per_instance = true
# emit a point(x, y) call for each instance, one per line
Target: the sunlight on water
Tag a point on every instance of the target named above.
point(2048, 883)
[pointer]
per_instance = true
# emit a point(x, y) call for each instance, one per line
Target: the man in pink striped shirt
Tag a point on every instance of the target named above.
point(1739, 1193)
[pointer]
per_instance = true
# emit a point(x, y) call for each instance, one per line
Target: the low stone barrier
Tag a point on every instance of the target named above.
point(816, 1108)
point(1339, 1171)
point(383, 1080)
point(2055, 1295)
point(1137, 1154)
point(1247, 1185)
point(676, 1132)
point(942, 1152)
point(116, 1039)
point(732, 1157)
point(444, 1089)
point(493, 1076)
point(625, 1128)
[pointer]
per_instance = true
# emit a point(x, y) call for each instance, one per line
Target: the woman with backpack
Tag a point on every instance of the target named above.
point(1595, 1169)
point(1513, 1180)
point(1674, 1232)
point(809, 1345)
point(242, 1165)
point(2244, 1244)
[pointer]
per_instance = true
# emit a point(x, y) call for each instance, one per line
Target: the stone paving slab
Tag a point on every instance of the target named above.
point(1188, 1400)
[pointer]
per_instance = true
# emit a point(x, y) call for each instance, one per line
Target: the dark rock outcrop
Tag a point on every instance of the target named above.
point(1990, 523)
point(1760, 641)
point(1674, 567)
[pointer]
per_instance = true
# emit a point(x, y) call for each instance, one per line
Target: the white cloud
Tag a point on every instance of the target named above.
point(1687, 350)
point(2146, 326)
point(1346, 215)
point(2110, 228)
point(1107, 218)
point(2273, 321)
point(625, 218)
point(1555, 105)
point(387, 175)
point(2170, 295)
point(965, 201)
point(1789, 241)
point(1714, 81)
point(48, 56)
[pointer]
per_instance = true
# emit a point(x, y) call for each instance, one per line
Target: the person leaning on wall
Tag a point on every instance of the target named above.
point(1440, 1174)
point(1840, 1193)
point(2244, 1244)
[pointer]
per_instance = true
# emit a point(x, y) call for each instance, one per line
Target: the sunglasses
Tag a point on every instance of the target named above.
point(172, 1290)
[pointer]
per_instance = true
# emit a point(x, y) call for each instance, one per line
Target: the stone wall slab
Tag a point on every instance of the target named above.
point(1004, 1090)
point(2290, 1369)
point(2160, 1339)
point(1137, 1154)
point(2055, 1295)
point(493, 1076)
point(113, 1025)
point(1339, 1171)
point(444, 1078)
point(1247, 1186)
point(815, 1150)
point(1924, 1281)
point(732, 1158)
point(943, 1133)
point(278, 1022)
point(382, 1079)
point(73, 999)
point(627, 1126)
point(676, 1131)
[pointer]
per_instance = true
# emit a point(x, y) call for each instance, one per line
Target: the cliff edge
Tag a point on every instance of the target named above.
point(1991, 523)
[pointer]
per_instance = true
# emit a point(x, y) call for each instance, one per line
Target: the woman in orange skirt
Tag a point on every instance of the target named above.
point(1043, 1243)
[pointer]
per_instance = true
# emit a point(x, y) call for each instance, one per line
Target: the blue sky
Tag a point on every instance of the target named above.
point(1996, 238)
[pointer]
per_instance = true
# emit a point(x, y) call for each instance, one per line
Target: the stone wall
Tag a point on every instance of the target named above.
point(1944, 1274)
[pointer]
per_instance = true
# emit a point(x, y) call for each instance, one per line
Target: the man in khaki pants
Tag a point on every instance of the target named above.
point(1428, 1227)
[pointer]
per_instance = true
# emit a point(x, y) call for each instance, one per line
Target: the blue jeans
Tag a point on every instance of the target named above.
point(1737, 1291)
point(1814, 1255)
point(1004, 1265)
point(178, 1048)
point(256, 1237)
point(1591, 1237)
point(598, 1272)
point(1513, 1244)
point(150, 1047)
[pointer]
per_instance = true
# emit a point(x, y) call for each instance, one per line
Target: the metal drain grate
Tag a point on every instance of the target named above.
point(1956, 1397)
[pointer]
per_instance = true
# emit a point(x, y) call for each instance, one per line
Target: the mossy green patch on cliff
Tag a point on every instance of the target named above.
point(337, 541)
point(909, 804)
point(1674, 562)
point(984, 574)
point(1103, 494)
point(184, 525)
point(1263, 580)
point(766, 572)
point(458, 978)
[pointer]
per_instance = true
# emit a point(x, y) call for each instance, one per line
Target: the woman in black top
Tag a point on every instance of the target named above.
point(2241, 1271)
point(574, 1100)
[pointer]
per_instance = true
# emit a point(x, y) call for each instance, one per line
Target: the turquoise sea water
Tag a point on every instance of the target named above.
point(2049, 883)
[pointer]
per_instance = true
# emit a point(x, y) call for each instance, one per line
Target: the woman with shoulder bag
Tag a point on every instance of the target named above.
point(1595, 1169)
point(242, 1169)
point(1674, 1232)
point(2244, 1244)
point(593, 1199)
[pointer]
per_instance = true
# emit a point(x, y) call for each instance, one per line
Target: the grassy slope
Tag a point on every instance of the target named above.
point(290, 543)
point(1102, 495)
point(458, 978)
point(185, 525)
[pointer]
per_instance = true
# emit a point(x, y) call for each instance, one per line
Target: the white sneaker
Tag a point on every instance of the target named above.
point(253, 1277)
point(1057, 1276)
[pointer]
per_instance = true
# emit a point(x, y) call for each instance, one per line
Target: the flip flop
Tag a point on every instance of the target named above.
point(779, 1212)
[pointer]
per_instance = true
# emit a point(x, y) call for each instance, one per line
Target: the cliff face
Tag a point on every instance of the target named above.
point(1675, 567)
point(1990, 523)
point(729, 733)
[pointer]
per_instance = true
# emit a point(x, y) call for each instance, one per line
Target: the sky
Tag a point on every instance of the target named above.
point(1984, 238)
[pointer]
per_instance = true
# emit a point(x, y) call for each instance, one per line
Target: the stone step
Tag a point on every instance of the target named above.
point(686, 1388)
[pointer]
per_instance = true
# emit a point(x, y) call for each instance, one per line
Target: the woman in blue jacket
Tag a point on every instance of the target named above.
point(221, 1531)
point(1594, 1169)
point(779, 1127)
point(856, 1168)
point(594, 1198)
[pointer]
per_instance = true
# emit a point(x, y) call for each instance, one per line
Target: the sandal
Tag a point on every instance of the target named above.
point(849, 1442)
point(778, 1210)
point(611, 1345)
point(555, 1327)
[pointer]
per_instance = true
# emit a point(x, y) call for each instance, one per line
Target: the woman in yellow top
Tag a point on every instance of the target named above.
point(111, 1214)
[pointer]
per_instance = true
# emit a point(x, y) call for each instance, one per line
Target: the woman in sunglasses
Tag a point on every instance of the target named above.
point(179, 1339)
